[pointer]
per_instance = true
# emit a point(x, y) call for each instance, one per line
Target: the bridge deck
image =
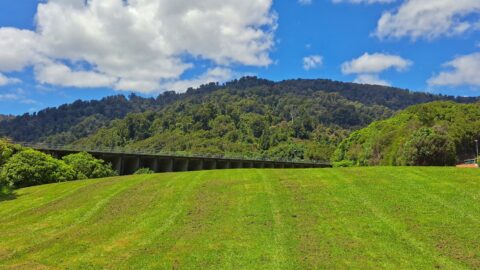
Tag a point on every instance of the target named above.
point(127, 162)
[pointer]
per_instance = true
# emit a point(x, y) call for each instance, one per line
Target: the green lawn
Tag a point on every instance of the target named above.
point(365, 218)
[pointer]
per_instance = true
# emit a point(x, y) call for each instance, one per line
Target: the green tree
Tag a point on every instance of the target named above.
point(30, 167)
point(89, 167)
point(7, 150)
point(428, 147)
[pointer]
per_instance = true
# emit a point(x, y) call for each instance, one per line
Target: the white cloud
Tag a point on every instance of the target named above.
point(305, 2)
point(368, 67)
point(375, 63)
point(312, 62)
point(211, 75)
point(17, 95)
point(464, 70)
point(4, 80)
point(60, 74)
point(138, 44)
point(364, 1)
point(370, 79)
point(430, 19)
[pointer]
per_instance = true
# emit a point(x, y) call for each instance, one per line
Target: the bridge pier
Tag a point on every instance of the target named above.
point(268, 165)
point(223, 164)
point(165, 165)
point(195, 165)
point(130, 165)
point(236, 164)
point(180, 165)
point(247, 164)
point(258, 165)
point(209, 165)
point(150, 163)
point(116, 161)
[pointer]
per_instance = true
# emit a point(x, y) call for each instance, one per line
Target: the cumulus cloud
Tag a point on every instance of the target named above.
point(364, 1)
point(211, 75)
point(17, 95)
point(430, 19)
point(463, 70)
point(312, 62)
point(368, 67)
point(375, 63)
point(140, 45)
point(370, 79)
point(4, 80)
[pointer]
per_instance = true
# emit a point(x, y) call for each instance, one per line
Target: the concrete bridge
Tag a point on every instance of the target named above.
point(126, 163)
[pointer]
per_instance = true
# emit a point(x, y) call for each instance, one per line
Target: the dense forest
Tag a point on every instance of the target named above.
point(250, 117)
point(438, 133)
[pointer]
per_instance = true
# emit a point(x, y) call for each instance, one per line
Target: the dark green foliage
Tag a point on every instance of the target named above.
point(438, 133)
point(249, 117)
point(89, 167)
point(255, 123)
point(144, 171)
point(429, 147)
point(30, 167)
point(68, 123)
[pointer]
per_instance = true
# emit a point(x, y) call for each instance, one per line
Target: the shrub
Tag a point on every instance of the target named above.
point(144, 171)
point(343, 164)
point(428, 147)
point(89, 167)
point(30, 167)
point(7, 150)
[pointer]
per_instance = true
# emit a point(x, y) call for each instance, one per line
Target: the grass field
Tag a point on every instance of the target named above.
point(365, 218)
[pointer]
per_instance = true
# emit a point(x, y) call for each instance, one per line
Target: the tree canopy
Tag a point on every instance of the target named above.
point(438, 133)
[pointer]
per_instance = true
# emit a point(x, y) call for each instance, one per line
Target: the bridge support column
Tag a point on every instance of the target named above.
point(180, 165)
point(258, 165)
point(130, 165)
point(223, 164)
point(247, 164)
point(115, 161)
point(209, 164)
point(150, 163)
point(268, 165)
point(236, 164)
point(165, 164)
point(195, 165)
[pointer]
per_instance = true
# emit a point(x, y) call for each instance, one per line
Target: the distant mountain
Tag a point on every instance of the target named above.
point(250, 116)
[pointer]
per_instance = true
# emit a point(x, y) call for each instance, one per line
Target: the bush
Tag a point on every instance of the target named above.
point(7, 150)
point(144, 171)
point(89, 167)
point(428, 147)
point(30, 167)
point(343, 164)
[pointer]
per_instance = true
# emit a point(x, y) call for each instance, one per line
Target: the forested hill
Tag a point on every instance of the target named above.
point(250, 111)
point(6, 117)
point(437, 133)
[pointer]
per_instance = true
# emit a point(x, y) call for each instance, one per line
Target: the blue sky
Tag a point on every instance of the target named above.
point(54, 52)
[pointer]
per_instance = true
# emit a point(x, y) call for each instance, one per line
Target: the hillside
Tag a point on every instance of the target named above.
point(364, 218)
point(71, 122)
point(438, 133)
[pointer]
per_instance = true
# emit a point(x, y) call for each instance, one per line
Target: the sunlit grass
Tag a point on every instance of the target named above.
point(365, 218)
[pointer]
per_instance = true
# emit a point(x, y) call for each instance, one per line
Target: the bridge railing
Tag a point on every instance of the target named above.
point(155, 152)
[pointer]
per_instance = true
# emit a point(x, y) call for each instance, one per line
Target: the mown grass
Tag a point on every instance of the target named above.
point(365, 218)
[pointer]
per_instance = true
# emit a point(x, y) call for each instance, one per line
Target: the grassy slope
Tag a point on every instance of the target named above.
point(265, 219)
